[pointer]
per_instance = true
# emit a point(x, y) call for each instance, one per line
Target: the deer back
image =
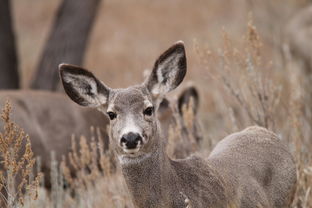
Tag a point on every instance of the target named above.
point(257, 168)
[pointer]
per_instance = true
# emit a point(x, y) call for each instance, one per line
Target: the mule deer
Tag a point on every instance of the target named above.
point(51, 118)
point(251, 168)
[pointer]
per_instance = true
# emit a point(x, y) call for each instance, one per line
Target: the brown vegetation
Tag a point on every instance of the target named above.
point(244, 81)
point(17, 182)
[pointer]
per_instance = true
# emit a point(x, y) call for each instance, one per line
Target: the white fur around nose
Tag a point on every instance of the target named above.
point(130, 126)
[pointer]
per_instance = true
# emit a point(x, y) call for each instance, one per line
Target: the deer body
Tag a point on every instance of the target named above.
point(50, 119)
point(257, 167)
point(251, 168)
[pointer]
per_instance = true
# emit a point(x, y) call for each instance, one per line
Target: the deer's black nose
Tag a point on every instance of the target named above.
point(131, 140)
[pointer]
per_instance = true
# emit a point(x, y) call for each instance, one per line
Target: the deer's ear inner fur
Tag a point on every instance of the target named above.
point(169, 70)
point(82, 86)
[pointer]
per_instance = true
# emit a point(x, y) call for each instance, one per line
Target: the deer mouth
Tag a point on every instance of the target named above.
point(128, 159)
point(131, 151)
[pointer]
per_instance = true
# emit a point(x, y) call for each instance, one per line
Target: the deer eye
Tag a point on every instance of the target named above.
point(111, 115)
point(148, 111)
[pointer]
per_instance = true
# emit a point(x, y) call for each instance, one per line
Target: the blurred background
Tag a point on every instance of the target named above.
point(126, 36)
point(250, 60)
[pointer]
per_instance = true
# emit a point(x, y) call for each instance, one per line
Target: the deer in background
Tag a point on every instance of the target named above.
point(50, 120)
point(33, 110)
point(251, 168)
point(180, 124)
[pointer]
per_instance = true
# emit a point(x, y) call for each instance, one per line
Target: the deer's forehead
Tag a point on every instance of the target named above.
point(130, 98)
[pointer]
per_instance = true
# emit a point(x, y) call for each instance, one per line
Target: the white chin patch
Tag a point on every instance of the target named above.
point(129, 159)
point(131, 151)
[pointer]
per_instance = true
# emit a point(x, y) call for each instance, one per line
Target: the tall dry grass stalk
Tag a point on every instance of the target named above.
point(240, 69)
point(89, 161)
point(17, 164)
point(303, 197)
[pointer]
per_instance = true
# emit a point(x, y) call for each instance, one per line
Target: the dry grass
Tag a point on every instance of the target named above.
point(95, 183)
point(17, 182)
point(239, 71)
point(181, 138)
point(242, 80)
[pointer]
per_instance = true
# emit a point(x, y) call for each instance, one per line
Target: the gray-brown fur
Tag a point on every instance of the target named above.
point(50, 119)
point(255, 161)
point(251, 168)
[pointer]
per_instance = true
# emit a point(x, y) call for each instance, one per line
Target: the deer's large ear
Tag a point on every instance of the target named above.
point(169, 70)
point(189, 98)
point(82, 86)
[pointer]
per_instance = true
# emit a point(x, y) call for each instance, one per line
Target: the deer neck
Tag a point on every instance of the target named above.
point(151, 179)
point(157, 181)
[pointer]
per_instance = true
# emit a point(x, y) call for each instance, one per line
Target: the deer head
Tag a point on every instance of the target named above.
point(134, 128)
